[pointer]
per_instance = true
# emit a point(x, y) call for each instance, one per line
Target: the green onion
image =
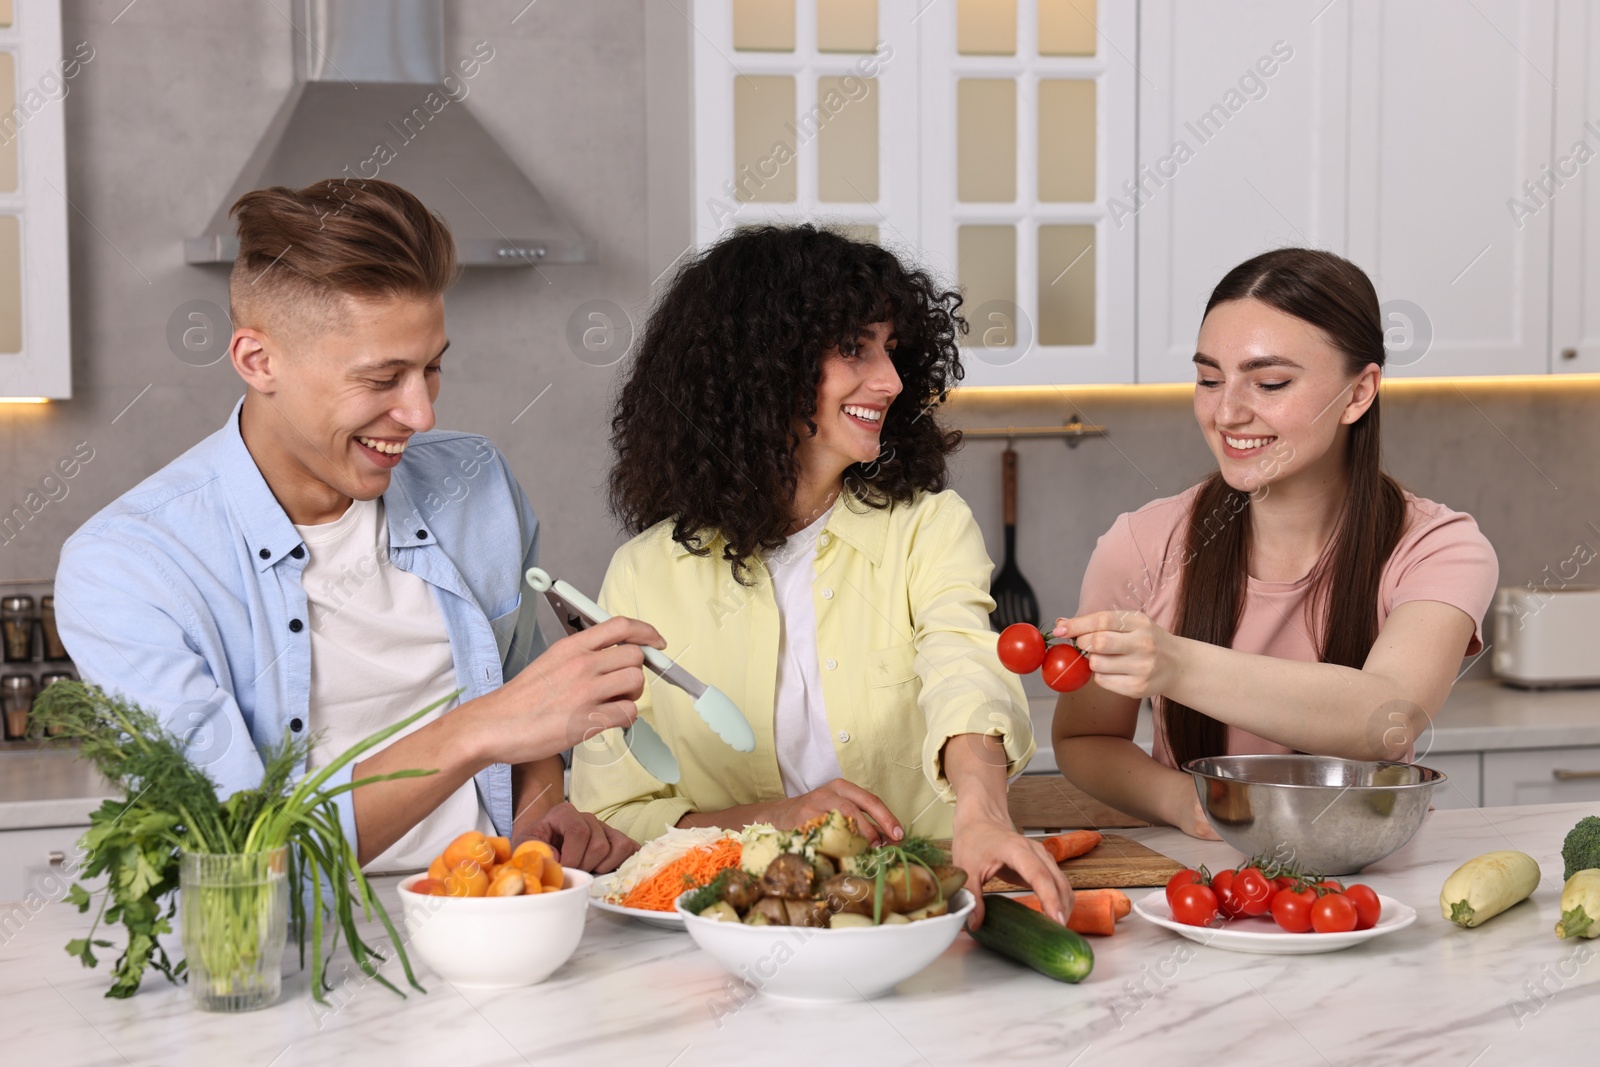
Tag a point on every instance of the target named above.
point(171, 808)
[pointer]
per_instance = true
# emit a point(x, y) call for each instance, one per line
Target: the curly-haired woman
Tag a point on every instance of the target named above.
point(1297, 599)
point(781, 465)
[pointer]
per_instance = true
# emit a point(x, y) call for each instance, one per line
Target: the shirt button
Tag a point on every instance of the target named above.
point(844, 737)
point(831, 664)
point(296, 725)
point(827, 594)
point(422, 535)
point(823, 540)
point(265, 553)
point(298, 552)
point(295, 626)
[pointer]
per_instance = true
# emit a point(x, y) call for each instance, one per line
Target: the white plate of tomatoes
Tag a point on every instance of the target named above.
point(1243, 911)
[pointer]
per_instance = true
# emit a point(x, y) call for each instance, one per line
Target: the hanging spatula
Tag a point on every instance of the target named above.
point(578, 612)
point(1013, 597)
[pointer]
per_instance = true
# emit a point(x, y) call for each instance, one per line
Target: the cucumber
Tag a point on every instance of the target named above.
point(1483, 887)
point(1024, 935)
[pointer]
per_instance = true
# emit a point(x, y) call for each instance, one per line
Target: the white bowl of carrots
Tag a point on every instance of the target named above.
point(477, 933)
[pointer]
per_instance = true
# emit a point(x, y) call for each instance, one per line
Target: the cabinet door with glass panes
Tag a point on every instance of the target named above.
point(976, 138)
point(806, 111)
point(35, 78)
point(1027, 130)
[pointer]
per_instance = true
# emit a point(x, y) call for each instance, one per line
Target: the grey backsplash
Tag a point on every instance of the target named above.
point(160, 122)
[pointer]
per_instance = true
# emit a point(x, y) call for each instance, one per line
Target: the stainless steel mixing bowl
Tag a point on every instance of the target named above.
point(1325, 814)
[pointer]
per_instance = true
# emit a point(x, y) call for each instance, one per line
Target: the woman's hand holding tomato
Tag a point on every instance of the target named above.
point(1022, 650)
point(1128, 653)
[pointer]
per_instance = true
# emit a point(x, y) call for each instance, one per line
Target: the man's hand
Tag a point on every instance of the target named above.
point(582, 684)
point(985, 844)
point(581, 840)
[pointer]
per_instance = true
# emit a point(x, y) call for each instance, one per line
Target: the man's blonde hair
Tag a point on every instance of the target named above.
point(302, 250)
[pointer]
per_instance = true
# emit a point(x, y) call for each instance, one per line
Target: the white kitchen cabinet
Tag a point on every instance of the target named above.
point(1450, 113)
point(1464, 771)
point(1394, 134)
point(35, 77)
point(40, 862)
point(1541, 776)
point(1242, 143)
point(1569, 193)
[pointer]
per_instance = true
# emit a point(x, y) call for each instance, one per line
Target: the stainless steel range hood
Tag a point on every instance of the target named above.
point(373, 98)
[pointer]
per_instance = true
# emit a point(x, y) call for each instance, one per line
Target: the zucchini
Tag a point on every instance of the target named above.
point(1483, 887)
point(1024, 935)
point(1580, 905)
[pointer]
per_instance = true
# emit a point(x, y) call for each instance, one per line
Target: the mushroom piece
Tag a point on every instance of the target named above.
point(789, 876)
point(848, 894)
point(740, 890)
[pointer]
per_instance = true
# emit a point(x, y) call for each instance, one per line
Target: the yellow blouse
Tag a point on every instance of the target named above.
point(908, 662)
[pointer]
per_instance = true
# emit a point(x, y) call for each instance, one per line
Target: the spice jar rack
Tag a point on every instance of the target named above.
point(32, 652)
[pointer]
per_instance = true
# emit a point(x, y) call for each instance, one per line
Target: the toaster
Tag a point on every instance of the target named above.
point(1546, 637)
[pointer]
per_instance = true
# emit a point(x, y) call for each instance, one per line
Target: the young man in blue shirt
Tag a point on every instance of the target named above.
point(327, 562)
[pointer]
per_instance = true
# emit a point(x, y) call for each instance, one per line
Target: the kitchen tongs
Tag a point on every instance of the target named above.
point(578, 612)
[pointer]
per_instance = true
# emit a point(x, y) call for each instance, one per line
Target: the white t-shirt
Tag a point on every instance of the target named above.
point(806, 758)
point(379, 651)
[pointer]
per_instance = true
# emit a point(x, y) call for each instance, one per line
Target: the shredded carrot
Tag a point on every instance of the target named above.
point(695, 867)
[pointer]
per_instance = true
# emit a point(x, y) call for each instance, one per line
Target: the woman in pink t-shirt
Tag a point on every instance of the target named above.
point(1297, 599)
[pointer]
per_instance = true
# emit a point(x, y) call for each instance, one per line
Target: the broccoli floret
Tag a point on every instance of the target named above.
point(1581, 850)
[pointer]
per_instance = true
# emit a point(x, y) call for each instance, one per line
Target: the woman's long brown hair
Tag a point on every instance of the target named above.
point(1335, 296)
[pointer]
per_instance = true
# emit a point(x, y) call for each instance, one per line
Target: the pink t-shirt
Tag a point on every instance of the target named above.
point(1137, 565)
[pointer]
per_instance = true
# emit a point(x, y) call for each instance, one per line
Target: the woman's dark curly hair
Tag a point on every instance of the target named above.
point(705, 424)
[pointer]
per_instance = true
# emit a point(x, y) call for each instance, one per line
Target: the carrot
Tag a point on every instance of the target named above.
point(1120, 904)
point(1063, 847)
point(1094, 911)
point(695, 867)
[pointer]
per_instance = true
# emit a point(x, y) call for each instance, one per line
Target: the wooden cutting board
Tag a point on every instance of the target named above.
point(1116, 862)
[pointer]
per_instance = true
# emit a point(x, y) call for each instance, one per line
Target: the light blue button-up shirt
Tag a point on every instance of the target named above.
point(184, 595)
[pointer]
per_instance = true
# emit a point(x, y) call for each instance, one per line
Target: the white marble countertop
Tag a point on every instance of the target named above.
point(1507, 993)
point(1478, 716)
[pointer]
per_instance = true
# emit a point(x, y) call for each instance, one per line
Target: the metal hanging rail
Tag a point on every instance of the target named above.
point(1074, 430)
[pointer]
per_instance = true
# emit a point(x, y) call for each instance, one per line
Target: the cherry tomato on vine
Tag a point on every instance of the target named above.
point(1330, 885)
point(1291, 909)
point(1224, 885)
point(1368, 909)
point(1194, 905)
point(1181, 879)
point(1021, 648)
point(1065, 668)
point(1333, 914)
point(1254, 891)
point(1283, 881)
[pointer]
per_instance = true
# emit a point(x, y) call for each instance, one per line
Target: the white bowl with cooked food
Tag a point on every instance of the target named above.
point(496, 942)
point(826, 965)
